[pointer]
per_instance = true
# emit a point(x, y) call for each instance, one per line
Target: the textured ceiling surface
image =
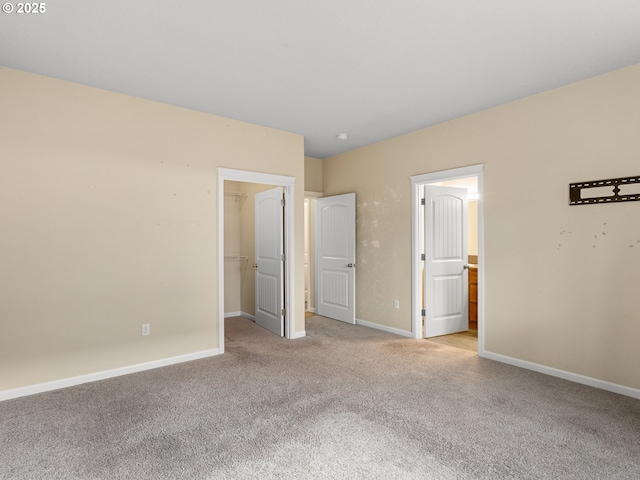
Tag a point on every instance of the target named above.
point(373, 69)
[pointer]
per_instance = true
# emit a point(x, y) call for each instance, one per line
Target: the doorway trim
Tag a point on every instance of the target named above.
point(288, 184)
point(417, 181)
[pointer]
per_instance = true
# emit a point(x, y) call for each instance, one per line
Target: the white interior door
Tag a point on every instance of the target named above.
point(269, 257)
point(446, 283)
point(336, 257)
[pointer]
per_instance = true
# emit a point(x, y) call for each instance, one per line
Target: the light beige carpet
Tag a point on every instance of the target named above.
point(346, 402)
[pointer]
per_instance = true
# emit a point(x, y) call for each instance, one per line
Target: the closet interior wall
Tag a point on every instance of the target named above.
point(233, 264)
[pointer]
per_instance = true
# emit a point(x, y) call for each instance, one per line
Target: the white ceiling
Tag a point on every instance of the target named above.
point(374, 69)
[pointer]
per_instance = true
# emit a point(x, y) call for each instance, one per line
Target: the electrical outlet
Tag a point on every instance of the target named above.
point(396, 304)
point(146, 329)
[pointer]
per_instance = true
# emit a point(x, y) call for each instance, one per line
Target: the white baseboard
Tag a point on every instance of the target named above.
point(94, 377)
point(384, 328)
point(573, 377)
point(301, 334)
point(312, 310)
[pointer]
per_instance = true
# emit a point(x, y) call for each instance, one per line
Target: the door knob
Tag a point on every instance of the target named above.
point(255, 265)
point(351, 265)
point(465, 266)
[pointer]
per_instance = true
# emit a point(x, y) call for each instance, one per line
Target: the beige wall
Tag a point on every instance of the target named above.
point(561, 282)
point(109, 220)
point(312, 174)
point(233, 268)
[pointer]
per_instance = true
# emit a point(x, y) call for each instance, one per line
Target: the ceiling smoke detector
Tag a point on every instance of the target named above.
point(342, 136)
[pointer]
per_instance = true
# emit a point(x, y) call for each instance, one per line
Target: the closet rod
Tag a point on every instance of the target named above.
point(235, 194)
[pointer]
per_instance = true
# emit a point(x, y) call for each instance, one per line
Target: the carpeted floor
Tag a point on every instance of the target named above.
point(346, 402)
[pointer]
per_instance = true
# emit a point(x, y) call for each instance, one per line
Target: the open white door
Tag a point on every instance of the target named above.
point(269, 260)
point(446, 271)
point(336, 257)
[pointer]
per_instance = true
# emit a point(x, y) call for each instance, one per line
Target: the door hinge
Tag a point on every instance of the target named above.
point(284, 312)
point(423, 312)
point(283, 257)
point(422, 201)
point(282, 202)
point(423, 257)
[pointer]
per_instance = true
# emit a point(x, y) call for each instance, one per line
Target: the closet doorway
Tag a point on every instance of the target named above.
point(237, 190)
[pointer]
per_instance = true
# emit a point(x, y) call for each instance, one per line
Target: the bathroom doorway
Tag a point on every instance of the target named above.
point(469, 296)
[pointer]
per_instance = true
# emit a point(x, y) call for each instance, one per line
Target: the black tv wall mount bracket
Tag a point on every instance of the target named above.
point(613, 190)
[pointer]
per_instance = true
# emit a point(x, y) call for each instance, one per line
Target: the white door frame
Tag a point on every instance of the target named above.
point(417, 181)
point(288, 184)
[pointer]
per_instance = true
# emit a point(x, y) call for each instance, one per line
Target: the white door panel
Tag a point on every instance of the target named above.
point(270, 266)
point(446, 274)
point(336, 257)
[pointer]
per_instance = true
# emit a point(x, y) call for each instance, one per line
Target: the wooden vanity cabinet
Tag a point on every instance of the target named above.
point(473, 297)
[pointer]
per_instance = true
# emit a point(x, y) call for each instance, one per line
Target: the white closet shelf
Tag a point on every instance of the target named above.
point(236, 257)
